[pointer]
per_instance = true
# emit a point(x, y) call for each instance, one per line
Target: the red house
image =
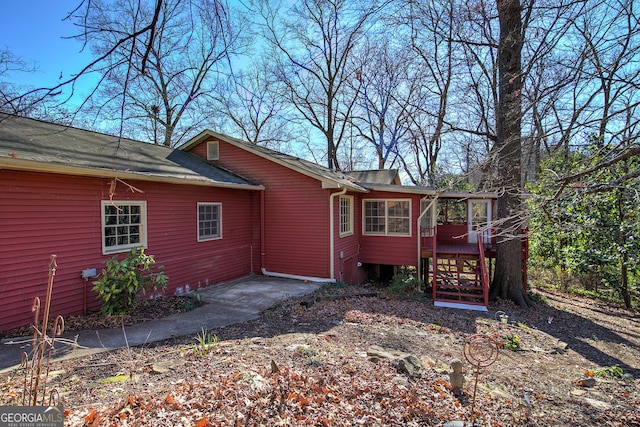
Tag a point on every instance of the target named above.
point(86, 196)
point(214, 210)
point(319, 223)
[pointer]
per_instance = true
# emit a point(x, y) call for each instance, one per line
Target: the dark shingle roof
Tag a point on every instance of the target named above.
point(377, 176)
point(37, 145)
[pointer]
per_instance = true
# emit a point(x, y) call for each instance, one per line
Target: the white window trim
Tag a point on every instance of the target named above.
point(208, 238)
point(106, 250)
point(386, 218)
point(349, 232)
point(213, 150)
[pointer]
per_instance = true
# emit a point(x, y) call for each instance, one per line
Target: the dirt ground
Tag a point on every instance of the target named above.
point(342, 360)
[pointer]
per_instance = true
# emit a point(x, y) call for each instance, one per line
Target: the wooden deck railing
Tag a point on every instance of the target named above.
point(483, 270)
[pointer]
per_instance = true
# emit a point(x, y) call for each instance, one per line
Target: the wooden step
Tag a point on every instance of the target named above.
point(460, 294)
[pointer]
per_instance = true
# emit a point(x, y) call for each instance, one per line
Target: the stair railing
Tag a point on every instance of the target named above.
point(483, 270)
point(434, 262)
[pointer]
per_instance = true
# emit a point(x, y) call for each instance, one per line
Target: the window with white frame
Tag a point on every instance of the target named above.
point(213, 150)
point(209, 221)
point(124, 225)
point(387, 217)
point(346, 215)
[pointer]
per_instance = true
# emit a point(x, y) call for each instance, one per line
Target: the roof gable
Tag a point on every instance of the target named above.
point(329, 178)
point(36, 145)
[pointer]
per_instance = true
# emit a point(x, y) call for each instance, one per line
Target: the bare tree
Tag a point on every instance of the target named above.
point(250, 104)
point(387, 97)
point(314, 41)
point(431, 28)
point(154, 79)
point(10, 63)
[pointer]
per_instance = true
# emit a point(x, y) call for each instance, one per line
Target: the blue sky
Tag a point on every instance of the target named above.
point(34, 30)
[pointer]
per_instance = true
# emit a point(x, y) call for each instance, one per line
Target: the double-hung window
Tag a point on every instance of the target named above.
point(346, 215)
point(209, 221)
point(387, 217)
point(124, 226)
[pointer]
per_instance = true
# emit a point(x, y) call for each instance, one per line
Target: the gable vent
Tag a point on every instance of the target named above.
point(213, 150)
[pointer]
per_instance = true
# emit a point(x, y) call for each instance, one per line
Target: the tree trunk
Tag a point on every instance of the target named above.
point(508, 278)
point(624, 282)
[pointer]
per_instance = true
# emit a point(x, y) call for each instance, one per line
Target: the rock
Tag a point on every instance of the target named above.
point(410, 365)
point(598, 404)
point(577, 392)
point(274, 367)
point(308, 302)
point(159, 368)
point(560, 347)
point(405, 363)
point(400, 381)
point(589, 382)
point(376, 353)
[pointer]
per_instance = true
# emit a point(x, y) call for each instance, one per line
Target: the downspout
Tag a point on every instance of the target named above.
point(296, 277)
point(332, 260)
point(262, 233)
point(420, 234)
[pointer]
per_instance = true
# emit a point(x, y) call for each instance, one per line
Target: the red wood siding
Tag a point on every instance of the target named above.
point(390, 250)
point(43, 214)
point(296, 212)
point(346, 268)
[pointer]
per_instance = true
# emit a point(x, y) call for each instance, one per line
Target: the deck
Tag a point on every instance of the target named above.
point(458, 271)
point(448, 248)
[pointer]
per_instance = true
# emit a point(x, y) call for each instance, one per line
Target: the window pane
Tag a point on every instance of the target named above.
point(123, 226)
point(387, 217)
point(208, 221)
point(374, 216)
point(346, 215)
point(398, 213)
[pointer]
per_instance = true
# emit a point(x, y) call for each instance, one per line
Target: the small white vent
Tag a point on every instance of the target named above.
point(213, 150)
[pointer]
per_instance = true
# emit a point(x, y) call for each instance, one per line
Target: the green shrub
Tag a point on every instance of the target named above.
point(403, 284)
point(512, 342)
point(123, 281)
point(609, 371)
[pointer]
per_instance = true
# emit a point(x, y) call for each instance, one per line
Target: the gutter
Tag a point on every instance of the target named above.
point(332, 260)
point(36, 166)
point(296, 277)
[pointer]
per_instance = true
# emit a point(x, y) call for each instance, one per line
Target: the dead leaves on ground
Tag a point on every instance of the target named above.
point(328, 397)
point(309, 366)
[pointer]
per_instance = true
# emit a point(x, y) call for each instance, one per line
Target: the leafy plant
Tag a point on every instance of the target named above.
point(584, 236)
point(614, 371)
point(538, 297)
point(310, 354)
point(206, 341)
point(272, 312)
point(187, 305)
point(512, 342)
point(123, 281)
point(403, 284)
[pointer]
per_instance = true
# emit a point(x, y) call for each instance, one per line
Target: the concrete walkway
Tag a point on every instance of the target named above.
point(226, 304)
